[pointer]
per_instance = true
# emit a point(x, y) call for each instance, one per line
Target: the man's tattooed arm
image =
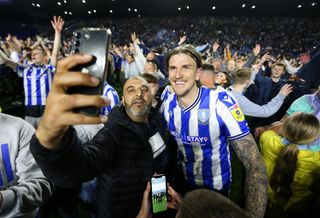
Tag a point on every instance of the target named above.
point(256, 189)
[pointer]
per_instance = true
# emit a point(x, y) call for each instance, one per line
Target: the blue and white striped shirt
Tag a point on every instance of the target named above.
point(202, 132)
point(37, 81)
point(165, 93)
point(112, 94)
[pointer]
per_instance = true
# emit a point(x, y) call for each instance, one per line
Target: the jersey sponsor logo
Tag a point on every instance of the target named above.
point(203, 116)
point(227, 99)
point(237, 113)
point(186, 139)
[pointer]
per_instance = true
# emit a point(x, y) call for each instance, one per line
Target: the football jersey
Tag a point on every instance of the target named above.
point(165, 93)
point(37, 81)
point(202, 132)
point(112, 94)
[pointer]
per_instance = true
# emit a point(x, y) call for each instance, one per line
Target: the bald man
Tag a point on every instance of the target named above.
point(123, 155)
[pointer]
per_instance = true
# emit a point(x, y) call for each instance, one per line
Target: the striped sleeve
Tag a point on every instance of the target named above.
point(232, 117)
point(21, 68)
point(112, 94)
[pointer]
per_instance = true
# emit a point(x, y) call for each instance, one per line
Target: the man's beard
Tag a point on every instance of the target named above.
point(135, 113)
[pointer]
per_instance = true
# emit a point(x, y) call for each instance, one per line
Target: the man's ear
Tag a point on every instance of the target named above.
point(198, 73)
point(122, 100)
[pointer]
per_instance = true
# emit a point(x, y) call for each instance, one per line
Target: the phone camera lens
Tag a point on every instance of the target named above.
point(77, 43)
point(78, 35)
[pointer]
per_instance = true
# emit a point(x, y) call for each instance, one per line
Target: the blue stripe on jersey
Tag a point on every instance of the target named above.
point(6, 162)
point(185, 117)
point(20, 68)
point(224, 160)
point(38, 86)
point(109, 108)
point(28, 79)
point(114, 100)
point(172, 105)
point(203, 131)
point(165, 93)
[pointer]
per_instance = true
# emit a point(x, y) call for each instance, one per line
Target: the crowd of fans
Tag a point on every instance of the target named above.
point(285, 35)
point(269, 65)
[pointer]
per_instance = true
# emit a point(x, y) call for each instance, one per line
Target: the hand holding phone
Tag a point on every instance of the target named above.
point(159, 197)
point(94, 41)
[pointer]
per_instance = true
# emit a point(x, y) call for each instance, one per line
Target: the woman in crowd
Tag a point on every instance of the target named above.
point(292, 159)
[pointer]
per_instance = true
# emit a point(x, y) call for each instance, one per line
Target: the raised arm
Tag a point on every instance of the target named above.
point(255, 52)
point(37, 43)
point(7, 61)
point(57, 25)
point(139, 57)
point(11, 40)
point(256, 188)
point(258, 71)
point(215, 53)
point(117, 51)
point(251, 109)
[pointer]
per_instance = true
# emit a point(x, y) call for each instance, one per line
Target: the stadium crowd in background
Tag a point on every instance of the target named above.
point(211, 82)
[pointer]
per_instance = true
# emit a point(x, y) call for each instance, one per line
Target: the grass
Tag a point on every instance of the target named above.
point(159, 206)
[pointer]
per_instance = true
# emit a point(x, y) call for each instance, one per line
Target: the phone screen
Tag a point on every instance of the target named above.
point(159, 194)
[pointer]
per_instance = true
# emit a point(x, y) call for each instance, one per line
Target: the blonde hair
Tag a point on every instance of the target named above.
point(301, 128)
point(240, 76)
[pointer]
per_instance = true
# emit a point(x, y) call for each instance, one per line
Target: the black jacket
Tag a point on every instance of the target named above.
point(119, 155)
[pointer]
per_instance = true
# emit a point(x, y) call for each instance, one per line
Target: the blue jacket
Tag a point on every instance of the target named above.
point(264, 86)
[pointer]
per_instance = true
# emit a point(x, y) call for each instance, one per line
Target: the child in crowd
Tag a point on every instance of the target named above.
point(292, 159)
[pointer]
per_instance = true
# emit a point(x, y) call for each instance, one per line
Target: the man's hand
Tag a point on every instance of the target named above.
point(286, 89)
point(258, 131)
point(59, 114)
point(264, 58)
point(8, 37)
point(176, 199)
point(134, 37)
point(256, 50)
point(215, 46)
point(39, 38)
point(182, 39)
point(57, 23)
point(145, 210)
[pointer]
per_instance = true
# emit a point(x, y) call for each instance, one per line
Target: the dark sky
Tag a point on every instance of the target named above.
point(38, 10)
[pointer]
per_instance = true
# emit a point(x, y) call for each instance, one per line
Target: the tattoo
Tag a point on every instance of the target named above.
point(256, 189)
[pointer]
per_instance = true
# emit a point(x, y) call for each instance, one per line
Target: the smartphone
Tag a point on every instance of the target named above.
point(159, 196)
point(94, 41)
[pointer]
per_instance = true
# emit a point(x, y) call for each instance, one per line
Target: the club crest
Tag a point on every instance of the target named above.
point(203, 116)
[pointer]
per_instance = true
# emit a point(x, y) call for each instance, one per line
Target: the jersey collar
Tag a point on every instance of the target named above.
point(194, 103)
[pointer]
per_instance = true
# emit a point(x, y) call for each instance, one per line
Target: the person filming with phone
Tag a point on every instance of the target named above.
point(123, 155)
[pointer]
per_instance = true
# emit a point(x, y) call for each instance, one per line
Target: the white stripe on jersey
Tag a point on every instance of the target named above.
point(112, 94)
point(29, 73)
point(196, 146)
point(214, 131)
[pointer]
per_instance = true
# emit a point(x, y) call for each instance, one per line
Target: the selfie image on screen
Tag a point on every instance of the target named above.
point(159, 196)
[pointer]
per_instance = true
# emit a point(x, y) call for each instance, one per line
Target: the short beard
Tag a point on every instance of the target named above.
point(136, 113)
